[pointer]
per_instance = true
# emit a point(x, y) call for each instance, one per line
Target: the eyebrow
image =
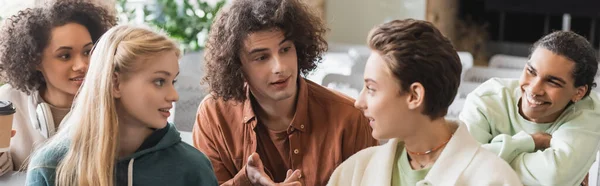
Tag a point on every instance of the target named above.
point(370, 80)
point(265, 49)
point(165, 73)
point(71, 48)
point(550, 77)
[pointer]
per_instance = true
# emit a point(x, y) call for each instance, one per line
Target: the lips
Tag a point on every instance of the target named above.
point(78, 78)
point(165, 112)
point(534, 102)
point(281, 81)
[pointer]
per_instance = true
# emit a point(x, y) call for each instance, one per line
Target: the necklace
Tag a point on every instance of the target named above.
point(430, 150)
point(420, 165)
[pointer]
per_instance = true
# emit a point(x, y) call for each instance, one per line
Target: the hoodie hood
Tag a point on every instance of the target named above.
point(172, 137)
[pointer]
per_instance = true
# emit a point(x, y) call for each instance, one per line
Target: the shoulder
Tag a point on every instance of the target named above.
point(496, 86)
point(192, 157)
point(360, 160)
point(196, 166)
point(497, 170)
point(324, 94)
point(44, 161)
point(7, 92)
point(212, 104)
point(494, 95)
point(330, 100)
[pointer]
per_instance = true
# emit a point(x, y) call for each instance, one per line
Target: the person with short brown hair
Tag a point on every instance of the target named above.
point(411, 78)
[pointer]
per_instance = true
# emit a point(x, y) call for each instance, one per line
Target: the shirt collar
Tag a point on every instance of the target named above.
point(299, 122)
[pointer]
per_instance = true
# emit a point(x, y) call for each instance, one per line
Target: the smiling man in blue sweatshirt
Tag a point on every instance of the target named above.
point(545, 125)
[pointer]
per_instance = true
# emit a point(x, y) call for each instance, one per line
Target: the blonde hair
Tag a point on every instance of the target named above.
point(90, 133)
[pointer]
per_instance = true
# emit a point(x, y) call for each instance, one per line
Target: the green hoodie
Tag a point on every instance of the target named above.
point(163, 159)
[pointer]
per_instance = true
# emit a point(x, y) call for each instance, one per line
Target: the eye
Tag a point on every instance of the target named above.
point(159, 82)
point(554, 84)
point(174, 81)
point(87, 52)
point(261, 58)
point(530, 71)
point(286, 49)
point(65, 57)
point(370, 90)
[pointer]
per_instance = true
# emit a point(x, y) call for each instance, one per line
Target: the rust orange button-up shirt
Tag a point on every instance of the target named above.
point(325, 131)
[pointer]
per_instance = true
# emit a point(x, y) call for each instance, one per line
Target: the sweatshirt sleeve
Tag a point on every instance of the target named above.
point(571, 154)
point(6, 163)
point(40, 177)
point(477, 118)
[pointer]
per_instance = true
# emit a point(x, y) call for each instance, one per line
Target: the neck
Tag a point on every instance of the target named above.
point(276, 115)
point(131, 136)
point(431, 134)
point(56, 97)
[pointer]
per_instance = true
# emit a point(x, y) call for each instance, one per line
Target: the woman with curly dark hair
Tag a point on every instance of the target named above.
point(44, 55)
point(260, 104)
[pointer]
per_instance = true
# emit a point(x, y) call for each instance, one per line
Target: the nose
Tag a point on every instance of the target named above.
point(81, 64)
point(278, 65)
point(360, 101)
point(536, 87)
point(172, 96)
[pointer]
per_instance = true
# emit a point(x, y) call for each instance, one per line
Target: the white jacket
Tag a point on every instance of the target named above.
point(462, 162)
point(33, 123)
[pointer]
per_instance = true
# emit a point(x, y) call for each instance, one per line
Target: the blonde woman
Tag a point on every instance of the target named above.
point(118, 133)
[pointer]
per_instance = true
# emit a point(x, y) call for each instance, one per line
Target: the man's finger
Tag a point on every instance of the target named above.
point(254, 160)
point(289, 173)
point(295, 176)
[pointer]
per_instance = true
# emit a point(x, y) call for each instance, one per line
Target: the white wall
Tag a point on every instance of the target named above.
point(11, 7)
point(351, 20)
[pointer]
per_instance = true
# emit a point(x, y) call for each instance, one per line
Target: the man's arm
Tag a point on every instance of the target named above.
point(568, 159)
point(203, 137)
point(474, 115)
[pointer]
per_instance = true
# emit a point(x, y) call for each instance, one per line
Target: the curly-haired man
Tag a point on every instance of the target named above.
point(263, 119)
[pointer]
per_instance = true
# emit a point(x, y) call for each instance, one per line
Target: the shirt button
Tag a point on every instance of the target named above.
point(302, 126)
point(296, 151)
point(292, 129)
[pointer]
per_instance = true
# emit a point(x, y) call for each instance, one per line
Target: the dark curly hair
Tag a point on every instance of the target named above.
point(25, 35)
point(577, 49)
point(416, 51)
point(243, 17)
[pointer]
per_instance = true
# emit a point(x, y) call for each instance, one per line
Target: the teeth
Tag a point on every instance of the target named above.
point(163, 110)
point(77, 79)
point(532, 101)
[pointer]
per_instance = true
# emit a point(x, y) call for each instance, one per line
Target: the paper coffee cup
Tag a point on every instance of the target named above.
point(7, 111)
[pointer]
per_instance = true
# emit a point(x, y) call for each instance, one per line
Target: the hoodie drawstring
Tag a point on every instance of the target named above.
point(130, 173)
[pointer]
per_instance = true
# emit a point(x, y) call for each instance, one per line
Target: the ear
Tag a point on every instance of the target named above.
point(116, 89)
point(579, 93)
point(416, 95)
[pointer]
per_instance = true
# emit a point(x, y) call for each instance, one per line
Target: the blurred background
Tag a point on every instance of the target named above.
point(492, 37)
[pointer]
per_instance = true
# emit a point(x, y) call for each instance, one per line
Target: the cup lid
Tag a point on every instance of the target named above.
point(7, 108)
